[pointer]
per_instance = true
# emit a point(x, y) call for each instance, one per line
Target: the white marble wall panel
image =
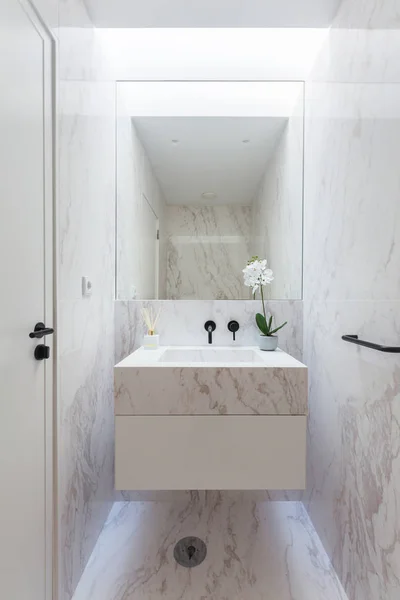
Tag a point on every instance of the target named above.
point(85, 336)
point(353, 213)
point(352, 286)
point(137, 186)
point(207, 249)
point(353, 444)
point(83, 53)
point(181, 323)
point(364, 43)
point(277, 212)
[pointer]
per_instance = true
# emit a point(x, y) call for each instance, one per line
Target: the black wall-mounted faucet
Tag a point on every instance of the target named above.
point(233, 327)
point(210, 326)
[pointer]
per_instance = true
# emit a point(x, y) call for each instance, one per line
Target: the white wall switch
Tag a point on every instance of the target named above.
point(86, 286)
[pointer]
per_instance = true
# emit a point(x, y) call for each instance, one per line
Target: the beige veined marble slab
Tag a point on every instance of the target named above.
point(255, 551)
point(190, 380)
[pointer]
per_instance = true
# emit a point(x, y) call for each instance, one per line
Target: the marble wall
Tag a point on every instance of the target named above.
point(85, 326)
point(182, 323)
point(137, 191)
point(207, 248)
point(352, 286)
point(277, 212)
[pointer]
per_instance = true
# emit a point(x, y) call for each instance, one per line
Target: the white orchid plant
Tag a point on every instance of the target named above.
point(257, 275)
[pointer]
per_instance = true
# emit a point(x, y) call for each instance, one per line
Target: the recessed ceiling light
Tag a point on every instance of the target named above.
point(245, 141)
point(209, 195)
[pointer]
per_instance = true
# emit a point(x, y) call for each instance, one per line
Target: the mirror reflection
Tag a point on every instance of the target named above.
point(209, 175)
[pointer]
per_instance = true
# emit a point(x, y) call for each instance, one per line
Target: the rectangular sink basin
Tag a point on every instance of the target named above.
point(211, 355)
point(203, 380)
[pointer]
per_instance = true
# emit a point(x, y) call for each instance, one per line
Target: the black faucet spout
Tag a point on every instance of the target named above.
point(210, 326)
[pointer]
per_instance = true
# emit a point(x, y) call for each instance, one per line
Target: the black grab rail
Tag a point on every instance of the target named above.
point(353, 339)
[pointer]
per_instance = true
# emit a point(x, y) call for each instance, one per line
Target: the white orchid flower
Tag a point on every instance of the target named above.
point(256, 274)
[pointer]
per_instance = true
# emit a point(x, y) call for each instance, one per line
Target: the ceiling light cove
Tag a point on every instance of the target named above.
point(209, 13)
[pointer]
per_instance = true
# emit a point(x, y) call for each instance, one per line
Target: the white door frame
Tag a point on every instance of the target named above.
point(50, 296)
point(157, 243)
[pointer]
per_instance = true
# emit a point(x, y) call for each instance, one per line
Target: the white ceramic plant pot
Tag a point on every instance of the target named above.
point(268, 342)
point(151, 342)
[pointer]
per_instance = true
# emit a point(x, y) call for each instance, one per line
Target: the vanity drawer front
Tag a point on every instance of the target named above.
point(210, 453)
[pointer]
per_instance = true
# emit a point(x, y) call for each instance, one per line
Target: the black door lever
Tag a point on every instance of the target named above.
point(40, 331)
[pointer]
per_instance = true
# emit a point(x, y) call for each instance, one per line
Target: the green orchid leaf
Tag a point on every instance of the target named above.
point(278, 328)
point(261, 323)
point(270, 323)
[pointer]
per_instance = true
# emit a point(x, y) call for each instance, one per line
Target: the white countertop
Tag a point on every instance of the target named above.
point(209, 356)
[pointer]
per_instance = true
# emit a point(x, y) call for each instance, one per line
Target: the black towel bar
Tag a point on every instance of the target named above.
point(353, 339)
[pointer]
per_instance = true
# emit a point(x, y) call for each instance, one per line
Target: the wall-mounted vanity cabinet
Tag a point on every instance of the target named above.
point(210, 418)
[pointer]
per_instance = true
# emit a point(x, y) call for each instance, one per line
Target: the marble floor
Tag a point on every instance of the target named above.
point(256, 551)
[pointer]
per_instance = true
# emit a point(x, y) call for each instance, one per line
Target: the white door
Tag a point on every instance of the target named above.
point(25, 299)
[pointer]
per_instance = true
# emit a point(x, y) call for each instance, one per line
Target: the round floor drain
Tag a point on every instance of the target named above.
point(190, 552)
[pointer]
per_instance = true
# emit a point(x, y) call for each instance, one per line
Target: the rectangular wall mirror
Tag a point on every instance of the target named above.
point(209, 174)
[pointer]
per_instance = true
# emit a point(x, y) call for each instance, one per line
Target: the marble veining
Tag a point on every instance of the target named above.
point(181, 323)
point(277, 211)
point(85, 329)
point(153, 387)
point(137, 188)
point(352, 285)
point(256, 550)
point(353, 444)
point(207, 248)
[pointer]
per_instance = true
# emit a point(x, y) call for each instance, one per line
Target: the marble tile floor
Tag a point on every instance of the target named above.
point(256, 551)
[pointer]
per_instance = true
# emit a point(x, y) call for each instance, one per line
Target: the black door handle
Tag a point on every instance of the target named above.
point(40, 331)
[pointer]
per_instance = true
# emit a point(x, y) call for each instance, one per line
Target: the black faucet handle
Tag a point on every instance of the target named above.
point(233, 327)
point(210, 326)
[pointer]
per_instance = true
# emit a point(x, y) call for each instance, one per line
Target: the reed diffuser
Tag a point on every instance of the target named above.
point(151, 340)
